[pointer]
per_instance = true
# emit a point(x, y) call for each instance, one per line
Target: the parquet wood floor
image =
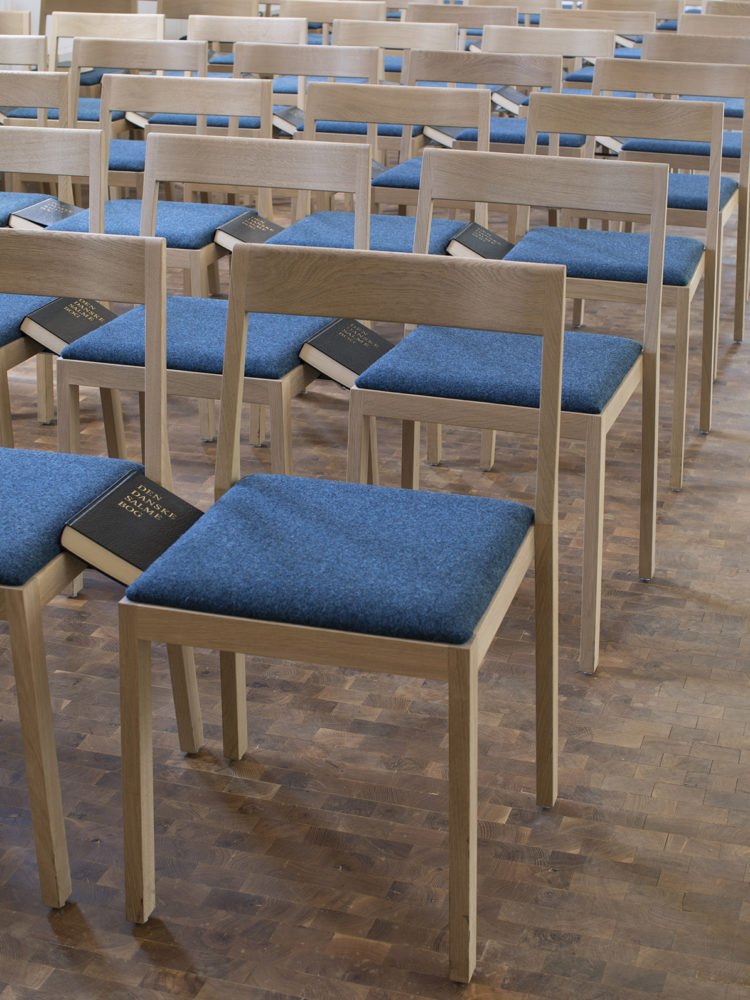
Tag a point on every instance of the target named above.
point(316, 867)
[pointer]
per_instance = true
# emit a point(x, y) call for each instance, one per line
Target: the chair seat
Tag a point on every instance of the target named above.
point(404, 175)
point(393, 64)
point(39, 491)
point(690, 191)
point(608, 256)
point(387, 232)
point(184, 225)
point(501, 367)
point(13, 310)
point(386, 129)
point(127, 154)
point(376, 570)
point(514, 130)
point(731, 146)
point(734, 107)
point(88, 111)
point(11, 201)
point(196, 329)
point(93, 77)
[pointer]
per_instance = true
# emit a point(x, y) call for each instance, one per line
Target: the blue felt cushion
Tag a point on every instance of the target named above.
point(690, 191)
point(387, 232)
point(669, 25)
point(222, 59)
point(195, 339)
point(39, 492)
point(360, 128)
point(403, 175)
point(11, 201)
point(93, 77)
point(532, 19)
point(392, 64)
point(374, 571)
point(514, 130)
point(734, 107)
point(127, 154)
point(13, 310)
point(501, 367)
point(88, 111)
point(608, 256)
point(731, 146)
point(627, 52)
point(583, 75)
point(184, 225)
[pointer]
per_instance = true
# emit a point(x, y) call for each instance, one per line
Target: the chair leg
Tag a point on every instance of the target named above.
point(207, 419)
point(462, 815)
point(434, 443)
point(280, 410)
point(233, 704)
point(710, 340)
point(649, 461)
point(741, 278)
point(357, 448)
point(257, 424)
point(114, 426)
point(35, 710)
point(137, 770)
point(186, 700)
point(6, 419)
point(593, 541)
point(410, 454)
point(679, 398)
point(487, 450)
point(45, 395)
point(68, 414)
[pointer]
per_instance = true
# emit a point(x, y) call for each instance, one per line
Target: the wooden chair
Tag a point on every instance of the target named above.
point(320, 14)
point(51, 487)
point(667, 11)
point(716, 24)
point(574, 44)
point(470, 19)
point(393, 38)
point(527, 11)
point(229, 30)
point(15, 22)
point(25, 51)
point(439, 377)
point(69, 154)
point(273, 374)
point(687, 205)
point(688, 260)
point(729, 8)
point(687, 47)
point(628, 25)
point(181, 10)
point(371, 542)
point(32, 98)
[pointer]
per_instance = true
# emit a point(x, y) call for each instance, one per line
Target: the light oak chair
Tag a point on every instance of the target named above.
point(181, 10)
point(667, 11)
point(28, 52)
point(729, 8)
point(50, 488)
point(629, 26)
point(272, 374)
point(15, 22)
point(715, 24)
point(320, 14)
point(689, 201)
point(527, 11)
point(221, 31)
point(470, 19)
point(574, 44)
point(393, 38)
point(490, 381)
point(377, 600)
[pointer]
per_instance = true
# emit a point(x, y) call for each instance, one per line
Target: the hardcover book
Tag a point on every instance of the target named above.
point(128, 526)
point(476, 241)
point(246, 228)
point(343, 350)
point(62, 321)
point(509, 99)
point(444, 135)
point(289, 120)
point(42, 214)
point(137, 118)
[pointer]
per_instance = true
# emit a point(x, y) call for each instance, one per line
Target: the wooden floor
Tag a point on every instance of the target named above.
point(316, 867)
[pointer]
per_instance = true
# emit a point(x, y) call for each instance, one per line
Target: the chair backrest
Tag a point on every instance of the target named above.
point(623, 22)
point(524, 8)
point(405, 106)
point(36, 90)
point(324, 12)
point(96, 25)
point(140, 55)
point(675, 46)
point(15, 22)
point(527, 180)
point(64, 152)
point(182, 9)
point(465, 16)
point(665, 10)
point(396, 34)
point(47, 7)
point(112, 268)
point(262, 163)
point(567, 42)
point(335, 62)
point(485, 68)
point(23, 50)
point(284, 30)
point(401, 288)
point(713, 24)
point(730, 8)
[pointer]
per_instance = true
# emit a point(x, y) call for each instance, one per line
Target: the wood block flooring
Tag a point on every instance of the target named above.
point(315, 868)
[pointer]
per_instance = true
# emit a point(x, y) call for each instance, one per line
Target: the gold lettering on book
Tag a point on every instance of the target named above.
point(85, 309)
point(142, 501)
point(355, 333)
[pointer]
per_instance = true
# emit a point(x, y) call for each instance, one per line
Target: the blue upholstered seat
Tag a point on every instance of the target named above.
point(514, 130)
point(690, 191)
point(195, 339)
point(393, 64)
point(387, 232)
point(608, 256)
point(88, 111)
point(731, 146)
point(376, 570)
point(734, 107)
point(501, 367)
point(126, 154)
point(403, 175)
point(39, 491)
point(11, 201)
point(669, 25)
point(13, 310)
point(93, 77)
point(385, 129)
point(184, 225)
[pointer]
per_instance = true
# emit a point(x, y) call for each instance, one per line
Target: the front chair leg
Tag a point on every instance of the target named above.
point(487, 450)
point(593, 540)
point(257, 424)
point(45, 396)
point(410, 454)
point(434, 444)
point(233, 704)
point(114, 426)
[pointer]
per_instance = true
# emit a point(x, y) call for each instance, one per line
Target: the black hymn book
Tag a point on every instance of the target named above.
point(444, 135)
point(128, 526)
point(42, 214)
point(289, 121)
point(246, 228)
point(343, 350)
point(62, 321)
point(476, 241)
